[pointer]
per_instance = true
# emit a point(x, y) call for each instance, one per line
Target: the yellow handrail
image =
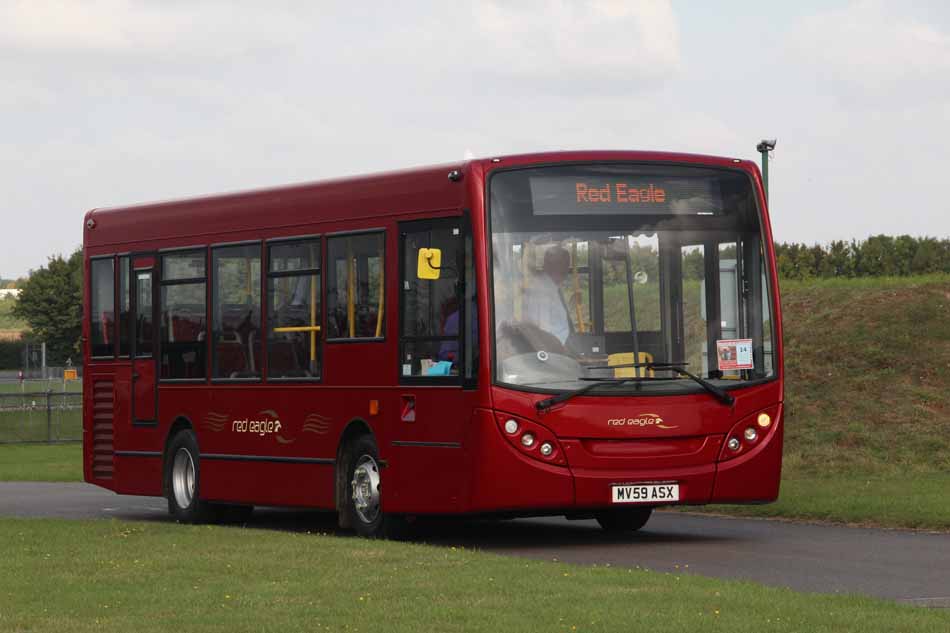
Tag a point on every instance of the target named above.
point(313, 320)
point(313, 328)
point(379, 311)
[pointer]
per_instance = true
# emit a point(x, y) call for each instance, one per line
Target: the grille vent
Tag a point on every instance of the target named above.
point(103, 409)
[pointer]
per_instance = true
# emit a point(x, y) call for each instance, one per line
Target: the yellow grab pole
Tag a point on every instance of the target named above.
point(313, 321)
point(379, 311)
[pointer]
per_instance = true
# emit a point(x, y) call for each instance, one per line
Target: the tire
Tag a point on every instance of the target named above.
point(183, 480)
point(363, 502)
point(626, 520)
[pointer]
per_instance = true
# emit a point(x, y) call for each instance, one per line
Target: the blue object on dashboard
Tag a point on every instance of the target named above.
point(441, 368)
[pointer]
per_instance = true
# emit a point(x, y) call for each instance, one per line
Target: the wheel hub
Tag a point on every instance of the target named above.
point(365, 489)
point(183, 478)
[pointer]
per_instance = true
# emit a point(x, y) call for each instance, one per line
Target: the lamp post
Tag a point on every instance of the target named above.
point(764, 147)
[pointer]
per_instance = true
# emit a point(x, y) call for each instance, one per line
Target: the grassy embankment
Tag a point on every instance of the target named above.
point(867, 435)
point(119, 576)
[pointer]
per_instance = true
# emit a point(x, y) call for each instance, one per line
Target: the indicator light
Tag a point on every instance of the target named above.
point(733, 443)
point(527, 440)
point(764, 420)
point(750, 434)
point(546, 449)
point(511, 427)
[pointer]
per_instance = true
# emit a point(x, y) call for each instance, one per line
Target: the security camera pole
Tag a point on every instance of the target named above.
point(764, 147)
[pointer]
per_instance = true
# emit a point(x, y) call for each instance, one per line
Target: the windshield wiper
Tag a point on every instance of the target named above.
point(721, 395)
point(547, 403)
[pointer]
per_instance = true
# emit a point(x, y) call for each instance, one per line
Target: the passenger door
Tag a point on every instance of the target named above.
point(437, 368)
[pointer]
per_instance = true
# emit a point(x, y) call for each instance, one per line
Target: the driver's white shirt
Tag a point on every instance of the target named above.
point(543, 307)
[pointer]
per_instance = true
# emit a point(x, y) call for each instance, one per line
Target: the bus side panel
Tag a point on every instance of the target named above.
point(504, 479)
point(263, 445)
point(277, 484)
point(433, 474)
point(139, 475)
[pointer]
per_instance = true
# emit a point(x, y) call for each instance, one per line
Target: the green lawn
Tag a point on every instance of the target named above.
point(33, 425)
point(121, 576)
point(40, 386)
point(41, 462)
point(912, 501)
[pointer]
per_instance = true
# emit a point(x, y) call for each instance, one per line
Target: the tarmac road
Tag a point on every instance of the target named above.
point(897, 564)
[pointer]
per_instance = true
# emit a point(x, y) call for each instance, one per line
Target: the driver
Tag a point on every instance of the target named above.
point(544, 306)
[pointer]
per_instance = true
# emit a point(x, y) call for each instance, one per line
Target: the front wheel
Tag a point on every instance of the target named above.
point(364, 492)
point(625, 520)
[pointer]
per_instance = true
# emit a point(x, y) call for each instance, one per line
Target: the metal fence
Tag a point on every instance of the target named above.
point(40, 417)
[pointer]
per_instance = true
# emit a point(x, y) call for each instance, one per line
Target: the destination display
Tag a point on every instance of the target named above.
point(615, 194)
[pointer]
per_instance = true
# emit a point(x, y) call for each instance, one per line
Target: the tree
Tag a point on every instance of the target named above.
point(50, 302)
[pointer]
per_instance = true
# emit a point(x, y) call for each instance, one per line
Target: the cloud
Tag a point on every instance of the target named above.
point(872, 48)
point(611, 40)
point(159, 31)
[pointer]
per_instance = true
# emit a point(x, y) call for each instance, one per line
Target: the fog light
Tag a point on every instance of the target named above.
point(733, 444)
point(764, 420)
point(511, 427)
point(527, 440)
point(750, 434)
point(546, 449)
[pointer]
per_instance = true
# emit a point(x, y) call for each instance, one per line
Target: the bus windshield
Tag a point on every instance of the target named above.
point(602, 269)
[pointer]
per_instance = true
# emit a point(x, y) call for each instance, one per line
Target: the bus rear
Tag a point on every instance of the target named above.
point(636, 356)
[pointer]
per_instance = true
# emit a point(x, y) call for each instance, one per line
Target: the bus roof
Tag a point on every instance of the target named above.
point(349, 199)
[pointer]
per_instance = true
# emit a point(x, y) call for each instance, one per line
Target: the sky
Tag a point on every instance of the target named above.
point(112, 102)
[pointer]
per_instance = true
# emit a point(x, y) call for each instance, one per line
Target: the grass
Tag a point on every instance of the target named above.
point(918, 501)
point(41, 462)
point(23, 421)
point(120, 576)
point(40, 386)
point(868, 378)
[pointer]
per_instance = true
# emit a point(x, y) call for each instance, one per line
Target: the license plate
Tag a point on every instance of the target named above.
point(646, 493)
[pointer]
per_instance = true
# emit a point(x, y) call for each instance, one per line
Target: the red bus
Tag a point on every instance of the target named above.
point(589, 334)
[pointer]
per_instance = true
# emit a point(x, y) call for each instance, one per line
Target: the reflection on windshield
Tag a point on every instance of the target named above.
point(569, 301)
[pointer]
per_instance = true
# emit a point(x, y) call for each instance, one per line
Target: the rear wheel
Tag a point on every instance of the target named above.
point(625, 520)
point(183, 479)
point(363, 503)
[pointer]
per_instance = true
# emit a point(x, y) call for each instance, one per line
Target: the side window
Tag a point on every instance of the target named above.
point(293, 309)
point(124, 313)
point(355, 283)
point(102, 308)
point(433, 311)
point(236, 311)
point(184, 314)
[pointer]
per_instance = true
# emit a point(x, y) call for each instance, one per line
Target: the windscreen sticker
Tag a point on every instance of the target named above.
point(734, 354)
